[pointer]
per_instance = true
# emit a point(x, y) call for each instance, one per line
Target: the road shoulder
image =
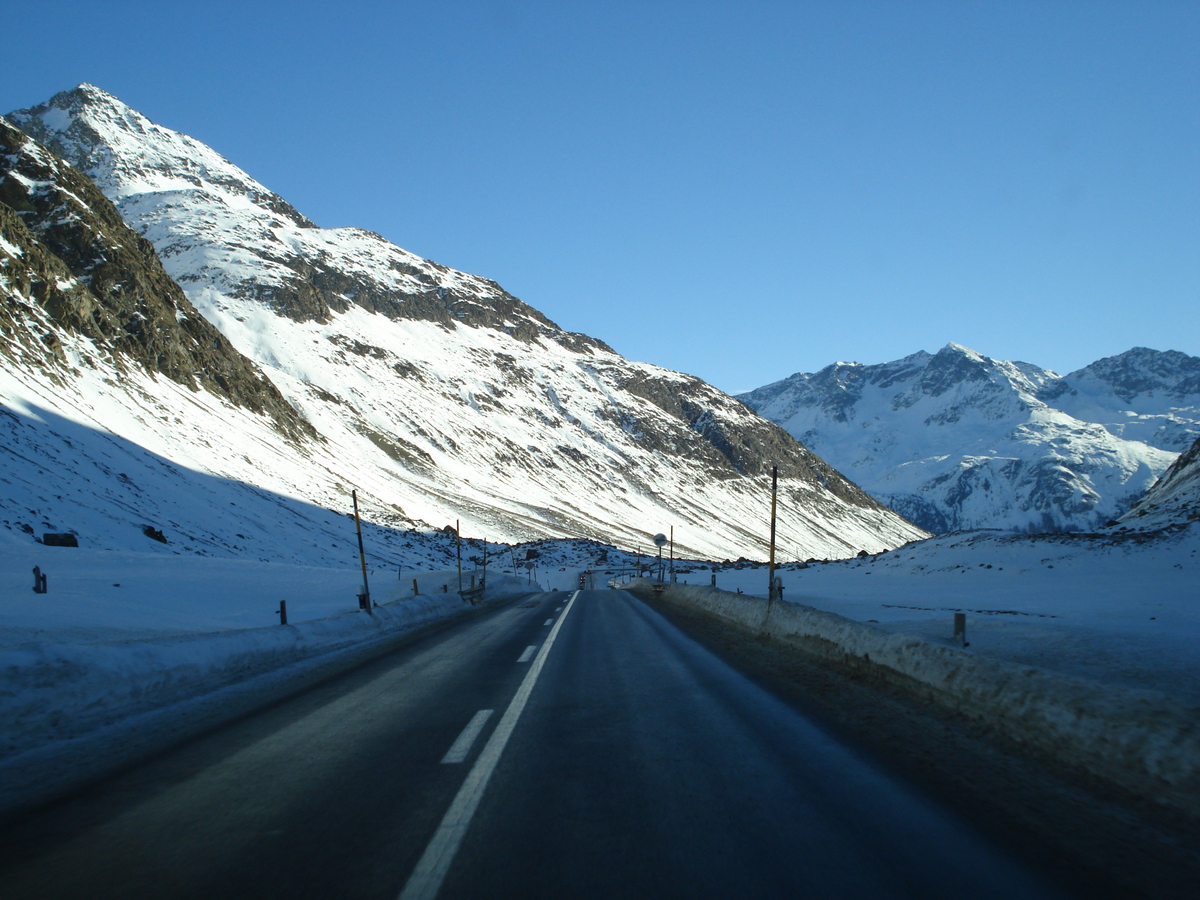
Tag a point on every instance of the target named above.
point(1091, 839)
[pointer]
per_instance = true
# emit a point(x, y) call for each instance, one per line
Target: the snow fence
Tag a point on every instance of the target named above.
point(74, 712)
point(1144, 741)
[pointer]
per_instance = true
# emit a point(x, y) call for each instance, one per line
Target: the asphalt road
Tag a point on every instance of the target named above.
point(565, 746)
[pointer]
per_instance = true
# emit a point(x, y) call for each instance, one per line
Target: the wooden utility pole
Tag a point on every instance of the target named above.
point(771, 561)
point(672, 554)
point(458, 548)
point(364, 599)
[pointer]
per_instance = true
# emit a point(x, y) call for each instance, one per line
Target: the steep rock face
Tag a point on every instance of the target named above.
point(1174, 498)
point(955, 440)
point(438, 394)
point(68, 250)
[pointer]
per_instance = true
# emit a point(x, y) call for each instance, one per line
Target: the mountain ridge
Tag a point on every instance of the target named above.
point(955, 440)
point(440, 395)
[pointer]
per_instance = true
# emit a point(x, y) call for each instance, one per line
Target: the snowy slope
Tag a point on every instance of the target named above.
point(1174, 498)
point(956, 440)
point(435, 393)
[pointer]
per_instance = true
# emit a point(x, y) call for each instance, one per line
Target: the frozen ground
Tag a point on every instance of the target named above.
point(112, 595)
point(1122, 608)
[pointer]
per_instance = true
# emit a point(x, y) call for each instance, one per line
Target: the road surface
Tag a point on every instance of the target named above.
point(568, 745)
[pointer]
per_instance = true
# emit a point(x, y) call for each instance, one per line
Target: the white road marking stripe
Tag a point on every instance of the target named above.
point(462, 745)
point(426, 879)
point(547, 622)
point(524, 657)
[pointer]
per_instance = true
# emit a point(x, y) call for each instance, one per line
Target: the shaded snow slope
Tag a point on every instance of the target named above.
point(956, 440)
point(435, 393)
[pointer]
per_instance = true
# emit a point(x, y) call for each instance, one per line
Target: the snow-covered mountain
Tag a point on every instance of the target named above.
point(1174, 498)
point(434, 392)
point(956, 440)
point(1142, 395)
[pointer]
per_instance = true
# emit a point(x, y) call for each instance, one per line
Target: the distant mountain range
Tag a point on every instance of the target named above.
point(185, 350)
point(955, 440)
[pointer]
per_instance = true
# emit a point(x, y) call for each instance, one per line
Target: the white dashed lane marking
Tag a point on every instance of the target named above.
point(426, 879)
point(462, 745)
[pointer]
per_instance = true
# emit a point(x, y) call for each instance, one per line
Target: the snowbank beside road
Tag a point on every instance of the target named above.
point(1114, 607)
point(73, 710)
point(1146, 741)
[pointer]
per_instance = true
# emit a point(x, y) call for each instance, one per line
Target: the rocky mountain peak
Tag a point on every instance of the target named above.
point(124, 152)
point(222, 234)
point(1142, 371)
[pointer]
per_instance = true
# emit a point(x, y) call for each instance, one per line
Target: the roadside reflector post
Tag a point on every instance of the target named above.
point(282, 612)
point(39, 580)
point(415, 591)
point(960, 628)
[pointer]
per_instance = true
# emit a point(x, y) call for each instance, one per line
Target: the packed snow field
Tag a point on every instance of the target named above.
point(98, 595)
point(1114, 607)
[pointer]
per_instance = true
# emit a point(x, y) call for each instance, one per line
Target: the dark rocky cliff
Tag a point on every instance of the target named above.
point(92, 275)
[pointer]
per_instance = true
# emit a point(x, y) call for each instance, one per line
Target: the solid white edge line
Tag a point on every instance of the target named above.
point(527, 653)
point(462, 745)
point(426, 879)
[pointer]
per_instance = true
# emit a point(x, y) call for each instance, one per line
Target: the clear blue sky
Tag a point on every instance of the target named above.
point(736, 190)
